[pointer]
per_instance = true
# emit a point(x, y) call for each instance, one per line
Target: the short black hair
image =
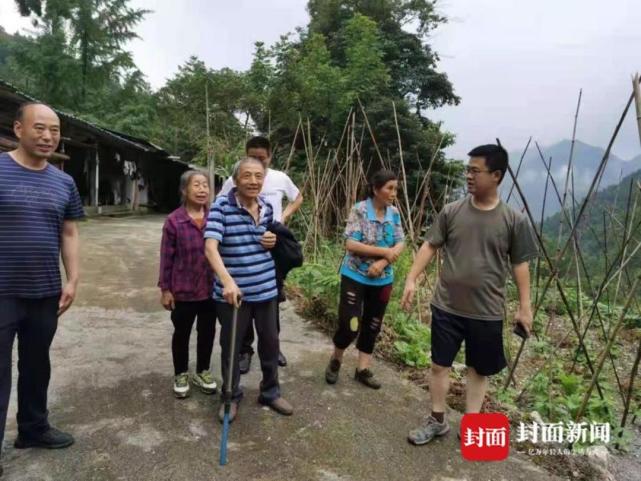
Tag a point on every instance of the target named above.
point(259, 142)
point(23, 106)
point(495, 156)
point(379, 179)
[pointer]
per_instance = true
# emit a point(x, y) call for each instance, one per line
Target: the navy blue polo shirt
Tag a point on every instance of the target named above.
point(33, 207)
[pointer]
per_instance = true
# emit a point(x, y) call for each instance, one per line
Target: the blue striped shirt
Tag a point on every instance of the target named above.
point(33, 206)
point(248, 263)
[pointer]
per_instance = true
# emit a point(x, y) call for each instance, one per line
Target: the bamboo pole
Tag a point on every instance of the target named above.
point(538, 259)
point(371, 133)
point(627, 231)
point(293, 147)
point(211, 165)
point(405, 185)
point(637, 102)
point(628, 399)
point(569, 168)
point(518, 169)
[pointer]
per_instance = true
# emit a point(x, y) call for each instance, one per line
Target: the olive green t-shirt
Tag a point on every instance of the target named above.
point(478, 248)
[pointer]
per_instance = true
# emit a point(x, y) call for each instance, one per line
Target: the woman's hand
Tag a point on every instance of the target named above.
point(377, 268)
point(167, 300)
point(393, 253)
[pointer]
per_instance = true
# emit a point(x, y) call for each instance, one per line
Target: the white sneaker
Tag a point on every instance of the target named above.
point(205, 381)
point(181, 385)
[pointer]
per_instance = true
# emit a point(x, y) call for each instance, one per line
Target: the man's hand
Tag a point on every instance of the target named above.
point(232, 294)
point(66, 298)
point(408, 295)
point(376, 268)
point(524, 317)
point(167, 300)
point(268, 241)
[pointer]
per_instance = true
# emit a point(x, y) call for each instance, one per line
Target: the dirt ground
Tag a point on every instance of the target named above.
point(111, 388)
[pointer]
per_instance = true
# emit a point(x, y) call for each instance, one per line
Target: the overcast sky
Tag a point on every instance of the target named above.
point(518, 66)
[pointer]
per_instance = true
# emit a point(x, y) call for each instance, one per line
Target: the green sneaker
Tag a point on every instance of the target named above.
point(205, 381)
point(181, 385)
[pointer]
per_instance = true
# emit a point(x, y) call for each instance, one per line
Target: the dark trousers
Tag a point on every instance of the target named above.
point(35, 322)
point(248, 340)
point(366, 305)
point(183, 317)
point(264, 316)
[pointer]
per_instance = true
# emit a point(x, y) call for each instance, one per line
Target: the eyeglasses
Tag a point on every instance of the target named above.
point(474, 171)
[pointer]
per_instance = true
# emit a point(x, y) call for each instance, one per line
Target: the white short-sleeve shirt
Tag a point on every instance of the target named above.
point(277, 185)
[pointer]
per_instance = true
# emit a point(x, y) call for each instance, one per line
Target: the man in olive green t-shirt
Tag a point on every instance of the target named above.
point(482, 238)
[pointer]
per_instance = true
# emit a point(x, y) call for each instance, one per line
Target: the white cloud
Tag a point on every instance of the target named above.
point(518, 66)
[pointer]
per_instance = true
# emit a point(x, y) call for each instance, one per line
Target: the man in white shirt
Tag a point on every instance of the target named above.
point(277, 185)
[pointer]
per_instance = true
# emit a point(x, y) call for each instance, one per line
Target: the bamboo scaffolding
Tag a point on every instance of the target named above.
point(559, 288)
point(608, 347)
point(579, 258)
point(554, 273)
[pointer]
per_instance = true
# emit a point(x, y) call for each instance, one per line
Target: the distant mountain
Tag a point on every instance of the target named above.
point(586, 159)
point(612, 200)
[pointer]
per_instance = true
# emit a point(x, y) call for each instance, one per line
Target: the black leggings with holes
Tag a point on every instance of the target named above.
point(360, 314)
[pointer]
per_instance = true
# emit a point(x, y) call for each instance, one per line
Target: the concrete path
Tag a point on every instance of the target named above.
point(111, 388)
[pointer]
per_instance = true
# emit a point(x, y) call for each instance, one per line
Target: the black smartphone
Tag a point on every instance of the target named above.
point(520, 331)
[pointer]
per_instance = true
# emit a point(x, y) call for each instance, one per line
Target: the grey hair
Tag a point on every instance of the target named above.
point(235, 171)
point(185, 179)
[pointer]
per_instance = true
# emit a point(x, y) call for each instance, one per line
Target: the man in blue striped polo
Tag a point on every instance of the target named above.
point(237, 246)
point(39, 205)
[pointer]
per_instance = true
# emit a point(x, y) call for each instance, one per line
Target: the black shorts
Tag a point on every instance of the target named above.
point(483, 342)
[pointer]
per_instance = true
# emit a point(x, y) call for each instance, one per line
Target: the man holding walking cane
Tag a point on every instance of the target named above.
point(237, 247)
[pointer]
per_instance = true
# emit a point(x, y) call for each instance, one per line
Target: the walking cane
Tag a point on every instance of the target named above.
point(227, 393)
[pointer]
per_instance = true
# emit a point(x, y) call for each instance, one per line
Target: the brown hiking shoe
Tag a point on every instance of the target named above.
point(280, 405)
point(367, 377)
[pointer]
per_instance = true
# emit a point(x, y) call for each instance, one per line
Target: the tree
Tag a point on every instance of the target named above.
point(182, 111)
point(410, 60)
point(43, 66)
point(99, 31)
point(353, 53)
point(92, 32)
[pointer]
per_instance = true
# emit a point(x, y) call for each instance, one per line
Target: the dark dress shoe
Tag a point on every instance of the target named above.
point(50, 439)
point(245, 362)
point(280, 405)
point(282, 360)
